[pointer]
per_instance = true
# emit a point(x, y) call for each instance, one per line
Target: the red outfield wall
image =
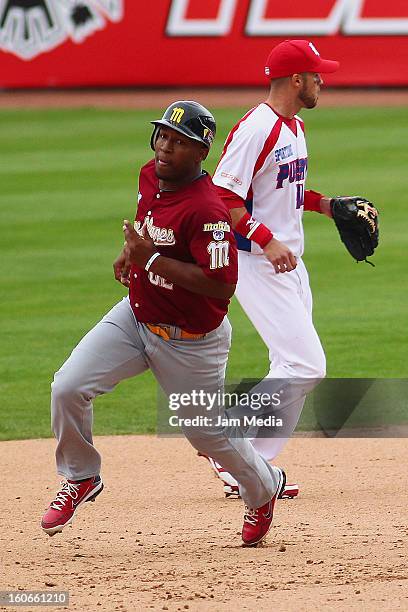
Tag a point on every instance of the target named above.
point(70, 43)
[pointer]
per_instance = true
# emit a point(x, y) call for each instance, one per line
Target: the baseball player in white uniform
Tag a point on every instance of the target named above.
point(261, 176)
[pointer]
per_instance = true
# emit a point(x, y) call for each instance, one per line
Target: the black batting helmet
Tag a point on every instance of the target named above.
point(189, 118)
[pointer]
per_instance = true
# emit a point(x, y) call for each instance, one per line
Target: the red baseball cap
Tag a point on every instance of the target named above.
point(296, 56)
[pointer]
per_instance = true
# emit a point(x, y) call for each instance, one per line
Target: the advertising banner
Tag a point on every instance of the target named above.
point(87, 43)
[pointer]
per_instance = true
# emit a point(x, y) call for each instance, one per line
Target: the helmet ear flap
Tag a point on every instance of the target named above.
point(153, 137)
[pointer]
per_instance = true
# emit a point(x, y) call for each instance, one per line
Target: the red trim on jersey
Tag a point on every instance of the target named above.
point(231, 199)
point(270, 142)
point(291, 123)
point(301, 123)
point(231, 135)
point(312, 200)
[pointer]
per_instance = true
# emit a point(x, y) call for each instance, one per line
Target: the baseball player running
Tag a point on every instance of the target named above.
point(180, 265)
point(261, 176)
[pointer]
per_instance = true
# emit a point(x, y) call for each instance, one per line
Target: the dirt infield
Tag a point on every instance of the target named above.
point(161, 536)
point(212, 97)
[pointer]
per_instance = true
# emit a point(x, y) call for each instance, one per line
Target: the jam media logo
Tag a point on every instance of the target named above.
point(351, 17)
point(31, 27)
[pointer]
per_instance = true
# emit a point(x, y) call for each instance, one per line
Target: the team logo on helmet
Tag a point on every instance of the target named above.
point(208, 135)
point(31, 27)
point(176, 114)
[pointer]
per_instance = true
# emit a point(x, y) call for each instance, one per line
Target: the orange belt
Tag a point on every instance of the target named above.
point(171, 332)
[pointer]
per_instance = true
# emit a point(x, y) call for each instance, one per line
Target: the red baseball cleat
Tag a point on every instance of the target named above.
point(67, 501)
point(258, 521)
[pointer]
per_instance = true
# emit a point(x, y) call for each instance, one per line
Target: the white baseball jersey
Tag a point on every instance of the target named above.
point(265, 162)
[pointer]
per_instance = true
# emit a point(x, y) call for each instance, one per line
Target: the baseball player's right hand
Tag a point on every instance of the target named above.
point(280, 256)
point(121, 269)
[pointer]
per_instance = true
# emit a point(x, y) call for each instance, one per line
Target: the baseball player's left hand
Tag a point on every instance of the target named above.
point(138, 249)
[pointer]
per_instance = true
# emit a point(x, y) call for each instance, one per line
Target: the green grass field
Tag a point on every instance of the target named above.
point(68, 178)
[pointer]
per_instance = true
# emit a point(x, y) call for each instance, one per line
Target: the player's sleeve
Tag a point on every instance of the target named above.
point(312, 200)
point(212, 244)
point(232, 200)
point(241, 152)
point(143, 188)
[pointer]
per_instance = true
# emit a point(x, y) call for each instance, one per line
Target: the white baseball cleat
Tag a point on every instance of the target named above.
point(231, 487)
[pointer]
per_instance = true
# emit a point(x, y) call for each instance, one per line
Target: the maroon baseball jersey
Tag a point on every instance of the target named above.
point(192, 225)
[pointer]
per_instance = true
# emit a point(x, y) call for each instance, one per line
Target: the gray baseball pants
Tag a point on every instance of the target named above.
point(120, 347)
